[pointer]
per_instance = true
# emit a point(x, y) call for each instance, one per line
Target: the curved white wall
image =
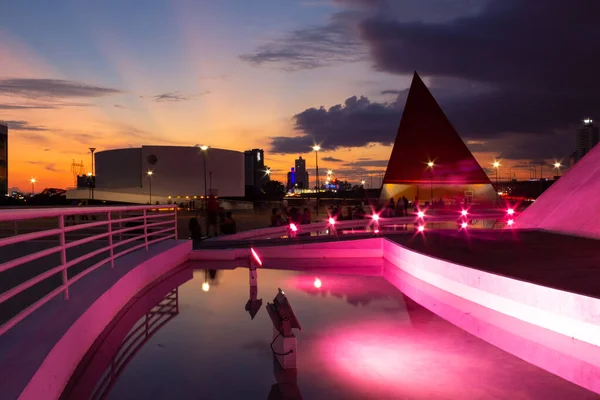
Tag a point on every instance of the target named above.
point(179, 171)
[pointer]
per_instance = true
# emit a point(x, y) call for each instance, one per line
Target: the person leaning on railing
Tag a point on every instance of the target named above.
point(195, 229)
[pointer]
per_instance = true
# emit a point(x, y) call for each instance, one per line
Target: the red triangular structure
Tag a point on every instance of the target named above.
point(426, 135)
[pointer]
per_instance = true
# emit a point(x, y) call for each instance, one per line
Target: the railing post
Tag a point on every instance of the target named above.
point(120, 227)
point(63, 254)
point(175, 212)
point(146, 228)
point(110, 241)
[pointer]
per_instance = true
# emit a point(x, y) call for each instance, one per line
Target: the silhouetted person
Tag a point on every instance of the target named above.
point(306, 217)
point(195, 229)
point(405, 202)
point(228, 227)
point(276, 219)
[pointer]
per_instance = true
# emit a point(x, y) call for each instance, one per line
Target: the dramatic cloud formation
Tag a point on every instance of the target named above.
point(358, 122)
point(511, 75)
point(51, 88)
point(23, 126)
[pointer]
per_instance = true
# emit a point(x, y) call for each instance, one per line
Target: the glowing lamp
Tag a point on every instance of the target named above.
point(204, 147)
point(316, 147)
point(375, 217)
point(421, 228)
point(376, 231)
point(420, 214)
point(331, 221)
point(255, 256)
point(510, 211)
point(205, 287)
point(510, 222)
point(293, 227)
point(89, 174)
point(464, 225)
point(318, 283)
point(464, 213)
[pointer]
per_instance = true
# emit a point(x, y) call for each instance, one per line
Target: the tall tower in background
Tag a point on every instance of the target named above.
point(3, 159)
point(301, 174)
point(256, 173)
point(588, 136)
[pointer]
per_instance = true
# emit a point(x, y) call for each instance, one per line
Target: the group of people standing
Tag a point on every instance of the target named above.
point(292, 215)
point(399, 208)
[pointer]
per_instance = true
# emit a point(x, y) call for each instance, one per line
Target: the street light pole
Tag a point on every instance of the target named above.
point(557, 166)
point(497, 166)
point(150, 185)
point(32, 186)
point(204, 149)
point(431, 164)
point(316, 148)
point(92, 183)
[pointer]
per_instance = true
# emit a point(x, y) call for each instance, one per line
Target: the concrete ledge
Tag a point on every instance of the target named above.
point(552, 329)
point(40, 354)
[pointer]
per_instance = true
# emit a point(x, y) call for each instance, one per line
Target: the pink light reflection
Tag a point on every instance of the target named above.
point(510, 211)
point(293, 227)
point(256, 257)
point(331, 221)
point(375, 217)
point(318, 283)
point(464, 213)
point(510, 222)
point(464, 225)
point(420, 214)
point(421, 228)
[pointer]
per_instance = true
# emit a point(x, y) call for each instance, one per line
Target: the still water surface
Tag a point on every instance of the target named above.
point(361, 339)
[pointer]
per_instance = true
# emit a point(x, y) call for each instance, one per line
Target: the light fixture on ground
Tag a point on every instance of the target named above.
point(464, 213)
point(293, 229)
point(284, 320)
point(420, 214)
point(254, 303)
point(316, 149)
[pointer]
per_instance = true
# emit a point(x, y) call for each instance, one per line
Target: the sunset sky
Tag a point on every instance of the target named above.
point(514, 79)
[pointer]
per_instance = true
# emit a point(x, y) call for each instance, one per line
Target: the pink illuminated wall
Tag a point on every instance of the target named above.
point(569, 206)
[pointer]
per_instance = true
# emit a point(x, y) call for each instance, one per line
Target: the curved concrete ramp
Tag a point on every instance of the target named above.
point(569, 206)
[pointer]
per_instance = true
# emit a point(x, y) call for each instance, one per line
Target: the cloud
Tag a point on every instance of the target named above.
point(173, 97)
point(393, 91)
point(24, 107)
point(356, 123)
point(118, 106)
point(52, 88)
point(52, 167)
point(316, 46)
point(331, 159)
point(23, 126)
point(523, 56)
point(368, 163)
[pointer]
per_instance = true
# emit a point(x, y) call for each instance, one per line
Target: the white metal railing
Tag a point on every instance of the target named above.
point(117, 230)
point(274, 232)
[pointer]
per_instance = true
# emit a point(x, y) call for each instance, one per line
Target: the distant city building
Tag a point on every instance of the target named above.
point(588, 136)
point(3, 160)
point(301, 174)
point(256, 173)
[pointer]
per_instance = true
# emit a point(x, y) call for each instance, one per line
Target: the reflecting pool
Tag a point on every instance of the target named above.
point(193, 337)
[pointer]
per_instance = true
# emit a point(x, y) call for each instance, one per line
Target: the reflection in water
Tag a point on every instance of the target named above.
point(124, 338)
point(286, 387)
point(210, 277)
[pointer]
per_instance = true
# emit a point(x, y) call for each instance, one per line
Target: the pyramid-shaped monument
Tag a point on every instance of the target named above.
point(570, 206)
point(426, 135)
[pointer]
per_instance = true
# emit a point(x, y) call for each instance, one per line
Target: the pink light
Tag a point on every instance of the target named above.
point(464, 213)
point(464, 225)
point(376, 231)
point(331, 221)
point(510, 222)
point(420, 214)
point(293, 227)
point(510, 211)
point(421, 228)
point(256, 257)
point(318, 283)
point(375, 217)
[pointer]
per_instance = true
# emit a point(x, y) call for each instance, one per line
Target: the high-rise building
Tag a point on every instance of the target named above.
point(256, 173)
point(3, 160)
point(301, 174)
point(588, 136)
